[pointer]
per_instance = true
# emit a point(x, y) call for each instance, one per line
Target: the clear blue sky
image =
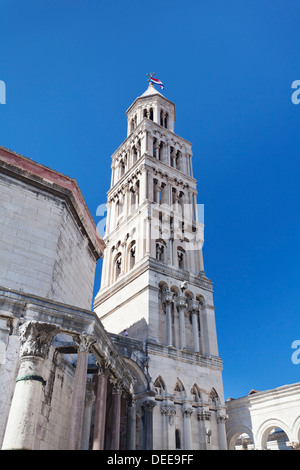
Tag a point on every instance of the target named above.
point(72, 68)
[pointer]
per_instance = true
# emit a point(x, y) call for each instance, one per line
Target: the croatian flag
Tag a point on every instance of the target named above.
point(157, 82)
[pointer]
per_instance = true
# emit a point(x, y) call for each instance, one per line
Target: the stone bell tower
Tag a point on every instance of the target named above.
point(153, 280)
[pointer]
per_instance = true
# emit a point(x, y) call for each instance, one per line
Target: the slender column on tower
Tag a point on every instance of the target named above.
point(221, 419)
point(36, 339)
point(167, 301)
point(181, 305)
point(194, 309)
point(187, 428)
point(148, 406)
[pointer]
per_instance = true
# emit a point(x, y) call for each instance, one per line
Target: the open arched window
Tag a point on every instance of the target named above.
point(159, 386)
point(213, 397)
point(181, 257)
point(160, 247)
point(118, 265)
point(196, 394)
point(131, 253)
point(179, 390)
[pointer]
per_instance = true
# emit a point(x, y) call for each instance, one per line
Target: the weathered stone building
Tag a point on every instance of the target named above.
point(69, 379)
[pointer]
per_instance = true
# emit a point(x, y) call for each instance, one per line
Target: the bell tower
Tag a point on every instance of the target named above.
point(153, 280)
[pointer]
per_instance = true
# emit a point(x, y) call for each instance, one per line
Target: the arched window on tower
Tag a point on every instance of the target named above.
point(132, 250)
point(179, 391)
point(181, 257)
point(118, 265)
point(159, 386)
point(160, 247)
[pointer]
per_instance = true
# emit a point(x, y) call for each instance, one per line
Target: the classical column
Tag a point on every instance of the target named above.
point(148, 406)
point(116, 415)
point(194, 309)
point(87, 417)
point(181, 305)
point(168, 411)
point(203, 418)
point(187, 429)
point(100, 407)
point(221, 419)
point(78, 394)
point(167, 301)
point(35, 339)
point(131, 423)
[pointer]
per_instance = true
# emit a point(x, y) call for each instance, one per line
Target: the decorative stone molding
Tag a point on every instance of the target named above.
point(36, 338)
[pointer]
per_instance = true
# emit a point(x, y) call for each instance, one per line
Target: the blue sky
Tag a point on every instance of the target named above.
point(72, 68)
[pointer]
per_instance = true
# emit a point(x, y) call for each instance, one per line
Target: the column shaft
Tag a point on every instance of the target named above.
point(78, 398)
point(100, 411)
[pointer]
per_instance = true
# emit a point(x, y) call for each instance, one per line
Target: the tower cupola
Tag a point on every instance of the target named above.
point(151, 105)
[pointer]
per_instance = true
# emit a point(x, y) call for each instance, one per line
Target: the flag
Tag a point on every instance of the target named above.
point(157, 82)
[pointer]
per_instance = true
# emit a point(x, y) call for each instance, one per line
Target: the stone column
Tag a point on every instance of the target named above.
point(78, 394)
point(116, 415)
point(181, 305)
point(203, 418)
point(221, 419)
point(187, 429)
point(194, 309)
point(35, 339)
point(131, 423)
point(100, 408)
point(87, 418)
point(167, 301)
point(148, 406)
point(168, 411)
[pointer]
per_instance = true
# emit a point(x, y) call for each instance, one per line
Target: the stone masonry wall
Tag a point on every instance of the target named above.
point(42, 251)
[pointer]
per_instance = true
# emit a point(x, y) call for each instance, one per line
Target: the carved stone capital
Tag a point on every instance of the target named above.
point(180, 302)
point(187, 411)
point(149, 405)
point(221, 417)
point(193, 306)
point(36, 338)
point(84, 342)
point(167, 297)
point(117, 386)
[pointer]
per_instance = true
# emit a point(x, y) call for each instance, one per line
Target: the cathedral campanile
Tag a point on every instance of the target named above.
point(154, 285)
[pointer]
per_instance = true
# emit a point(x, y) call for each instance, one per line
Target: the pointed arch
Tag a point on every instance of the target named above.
point(214, 397)
point(159, 386)
point(196, 393)
point(179, 390)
